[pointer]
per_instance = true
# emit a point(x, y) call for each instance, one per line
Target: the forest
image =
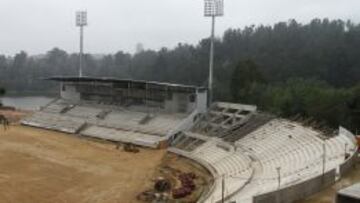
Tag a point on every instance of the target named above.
point(289, 69)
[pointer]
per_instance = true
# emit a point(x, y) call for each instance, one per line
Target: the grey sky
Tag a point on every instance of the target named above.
point(36, 26)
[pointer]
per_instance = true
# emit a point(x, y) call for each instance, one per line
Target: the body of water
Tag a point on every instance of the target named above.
point(26, 103)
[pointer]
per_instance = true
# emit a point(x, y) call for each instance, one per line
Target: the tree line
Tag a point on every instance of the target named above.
point(289, 68)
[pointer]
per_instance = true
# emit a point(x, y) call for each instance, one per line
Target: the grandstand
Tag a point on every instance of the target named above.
point(138, 112)
point(254, 156)
point(277, 154)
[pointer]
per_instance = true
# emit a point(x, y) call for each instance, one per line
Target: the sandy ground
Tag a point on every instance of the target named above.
point(328, 195)
point(14, 116)
point(44, 166)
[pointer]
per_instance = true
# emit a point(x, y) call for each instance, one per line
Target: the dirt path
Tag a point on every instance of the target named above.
point(44, 166)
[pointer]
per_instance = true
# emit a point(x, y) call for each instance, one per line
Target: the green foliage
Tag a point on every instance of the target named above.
point(245, 80)
point(310, 69)
point(307, 98)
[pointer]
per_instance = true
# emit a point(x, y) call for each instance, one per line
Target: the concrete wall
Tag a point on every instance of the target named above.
point(350, 162)
point(346, 199)
point(348, 165)
point(201, 102)
point(298, 191)
point(68, 92)
point(179, 99)
point(180, 102)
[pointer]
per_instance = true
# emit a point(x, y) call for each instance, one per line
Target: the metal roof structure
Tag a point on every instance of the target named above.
point(352, 191)
point(126, 83)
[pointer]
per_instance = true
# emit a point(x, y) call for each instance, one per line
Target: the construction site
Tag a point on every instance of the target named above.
point(110, 140)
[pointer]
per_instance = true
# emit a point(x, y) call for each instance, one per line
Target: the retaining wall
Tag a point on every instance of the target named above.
point(351, 161)
point(298, 191)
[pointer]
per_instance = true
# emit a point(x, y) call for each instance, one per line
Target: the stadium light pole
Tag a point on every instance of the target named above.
point(213, 9)
point(81, 21)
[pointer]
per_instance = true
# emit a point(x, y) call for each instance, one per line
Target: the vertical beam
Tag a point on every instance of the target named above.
point(279, 177)
point(81, 50)
point(324, 160)
point(211, 63)
point(223, 189)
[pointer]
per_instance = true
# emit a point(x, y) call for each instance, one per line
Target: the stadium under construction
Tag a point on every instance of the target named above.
point(252, 156)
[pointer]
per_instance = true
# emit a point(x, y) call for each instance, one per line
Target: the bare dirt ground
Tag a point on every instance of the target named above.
point(14, 116)
point(328, 195)
point(44, 166)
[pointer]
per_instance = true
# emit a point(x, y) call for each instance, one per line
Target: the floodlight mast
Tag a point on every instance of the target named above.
point(213, 9)
point(81, 21)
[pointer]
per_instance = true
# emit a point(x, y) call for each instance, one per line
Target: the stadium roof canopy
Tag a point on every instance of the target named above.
point(129, 83)
point(352, 191)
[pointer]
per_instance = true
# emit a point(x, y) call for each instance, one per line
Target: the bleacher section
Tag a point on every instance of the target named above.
point(247, 149)
point(254, 122)
point(56, 122)
point(122, 136)
point(252, 164)
point(233, 166)
point(188, 141)
point(69, 117)
point(57, 106)
point(222, 118)
point(159, 124)
point(84, 112)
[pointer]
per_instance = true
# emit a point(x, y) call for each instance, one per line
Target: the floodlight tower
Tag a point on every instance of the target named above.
point(81, 21)
point(213, 9)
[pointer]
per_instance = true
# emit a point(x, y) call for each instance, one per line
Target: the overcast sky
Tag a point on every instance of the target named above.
point(37, 26)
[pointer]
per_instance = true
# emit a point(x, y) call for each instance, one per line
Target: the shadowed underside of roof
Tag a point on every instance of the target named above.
point(129, 83)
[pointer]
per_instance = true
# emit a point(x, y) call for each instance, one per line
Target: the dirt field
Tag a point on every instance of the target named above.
point(328, 195)
point(44, 166)
point(14, 116)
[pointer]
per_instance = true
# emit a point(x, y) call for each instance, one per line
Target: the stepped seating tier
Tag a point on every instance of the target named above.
point(72, 117)
point(253, 163)
point(54, 122)
point(122, 136)
point(129, 120)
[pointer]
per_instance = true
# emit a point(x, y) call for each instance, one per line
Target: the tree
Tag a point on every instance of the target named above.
point(244, 80)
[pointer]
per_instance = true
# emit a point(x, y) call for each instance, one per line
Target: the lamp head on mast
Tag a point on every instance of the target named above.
point(81, 18)
point(214, 8)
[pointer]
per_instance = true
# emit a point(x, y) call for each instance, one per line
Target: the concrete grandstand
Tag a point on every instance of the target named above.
point(138, 112)
point(255, 157)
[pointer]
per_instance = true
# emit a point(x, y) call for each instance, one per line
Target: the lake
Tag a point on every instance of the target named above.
point(26, 103)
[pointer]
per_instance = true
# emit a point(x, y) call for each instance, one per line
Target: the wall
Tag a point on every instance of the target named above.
point(348, 165)
point(69, 93)
point(201, 102)
point(350, 162)
point(346, 199)
point(298, 191)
